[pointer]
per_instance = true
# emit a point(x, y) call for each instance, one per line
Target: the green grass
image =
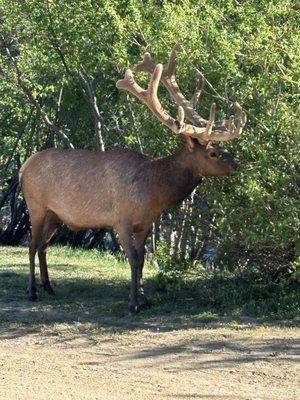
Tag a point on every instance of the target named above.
point(93, 289)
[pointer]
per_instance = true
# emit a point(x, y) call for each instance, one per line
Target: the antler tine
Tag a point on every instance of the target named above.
point(146, 65)
point(240, 118)
point(233, 128)
point(128, 83)
point(204, 135)
point(170, 68)
point(180, 116)
point(198, 90)
point(154, 82)
point(149, 97)
point(211, 120)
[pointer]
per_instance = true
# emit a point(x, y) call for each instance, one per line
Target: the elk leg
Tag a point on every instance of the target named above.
point(36, 228)
point(51, 223)
point(140, 240)
point(127, 242)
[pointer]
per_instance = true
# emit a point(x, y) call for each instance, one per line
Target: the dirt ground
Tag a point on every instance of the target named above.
point(211, 362)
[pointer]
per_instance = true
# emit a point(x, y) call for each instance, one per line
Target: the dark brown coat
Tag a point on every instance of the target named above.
point(119, 189)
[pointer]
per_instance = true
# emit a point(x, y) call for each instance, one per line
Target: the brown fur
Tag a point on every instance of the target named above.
point(119, 189)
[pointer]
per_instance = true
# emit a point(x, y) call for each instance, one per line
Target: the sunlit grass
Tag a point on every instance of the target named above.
point(92, 291)
point(88, 285)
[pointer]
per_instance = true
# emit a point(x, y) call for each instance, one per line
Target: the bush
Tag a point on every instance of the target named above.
point(243, 290)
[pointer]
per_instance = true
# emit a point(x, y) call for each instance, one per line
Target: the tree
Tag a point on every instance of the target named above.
point(246, 51)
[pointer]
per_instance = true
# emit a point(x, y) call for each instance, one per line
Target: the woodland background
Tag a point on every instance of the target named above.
point(57, 57)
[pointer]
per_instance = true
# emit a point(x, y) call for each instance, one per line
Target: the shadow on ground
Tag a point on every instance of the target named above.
point(257, 350)
point(103, 303)
point(92, 308)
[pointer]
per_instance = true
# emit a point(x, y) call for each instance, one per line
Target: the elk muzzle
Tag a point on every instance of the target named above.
point(229, 159)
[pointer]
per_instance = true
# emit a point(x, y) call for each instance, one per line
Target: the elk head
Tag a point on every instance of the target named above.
point(211, 160)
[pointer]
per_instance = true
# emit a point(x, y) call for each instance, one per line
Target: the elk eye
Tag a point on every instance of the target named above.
point(213, 154)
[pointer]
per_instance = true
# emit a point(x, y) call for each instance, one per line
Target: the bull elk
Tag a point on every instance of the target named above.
point(121, 189)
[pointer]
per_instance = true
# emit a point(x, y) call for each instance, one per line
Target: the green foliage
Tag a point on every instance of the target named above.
point(266, 286)
point(247, 50)
point(242, 292)
point(164, 261)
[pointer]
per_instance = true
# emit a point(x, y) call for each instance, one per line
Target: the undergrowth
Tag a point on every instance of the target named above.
point(243, 290)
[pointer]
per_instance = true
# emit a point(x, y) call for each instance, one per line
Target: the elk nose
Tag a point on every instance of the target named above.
point(234, 164)
point(231, 161)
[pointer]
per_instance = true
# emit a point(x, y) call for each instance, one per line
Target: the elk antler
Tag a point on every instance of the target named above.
point(203, 130)
point(149, 97)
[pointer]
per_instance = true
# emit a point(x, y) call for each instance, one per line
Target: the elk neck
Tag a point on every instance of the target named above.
point(174, 177)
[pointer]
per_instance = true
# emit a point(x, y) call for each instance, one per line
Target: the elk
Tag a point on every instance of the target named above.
point(125, 190)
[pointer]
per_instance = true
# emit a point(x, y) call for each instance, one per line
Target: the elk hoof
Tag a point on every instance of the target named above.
point(48, 289)
point(144, 303)
point(32, 296)
point(31, 292)
point(133, 308)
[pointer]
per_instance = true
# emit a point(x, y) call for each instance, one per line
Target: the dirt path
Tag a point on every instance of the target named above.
point(235, 363)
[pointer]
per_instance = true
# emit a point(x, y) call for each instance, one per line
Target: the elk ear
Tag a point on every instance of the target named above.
point(188, 141)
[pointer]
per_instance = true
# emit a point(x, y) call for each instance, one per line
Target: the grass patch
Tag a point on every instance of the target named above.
point(93, 289)
point(228, 293)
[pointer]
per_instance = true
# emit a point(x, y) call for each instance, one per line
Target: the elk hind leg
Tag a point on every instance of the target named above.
point(37, 219)
point(51, 223)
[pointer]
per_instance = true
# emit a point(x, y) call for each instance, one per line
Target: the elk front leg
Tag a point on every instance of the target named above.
point(140, 239)
point(126, 239)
